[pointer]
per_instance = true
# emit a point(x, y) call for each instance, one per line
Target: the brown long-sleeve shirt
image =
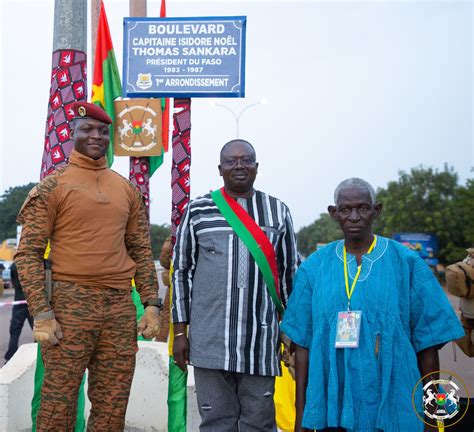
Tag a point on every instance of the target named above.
point(98, 230)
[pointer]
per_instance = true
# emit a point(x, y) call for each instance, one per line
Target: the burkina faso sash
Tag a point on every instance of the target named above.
point(254, 238)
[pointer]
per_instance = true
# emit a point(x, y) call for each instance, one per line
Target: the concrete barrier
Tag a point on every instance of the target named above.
point(147, 408)
point(16, 390)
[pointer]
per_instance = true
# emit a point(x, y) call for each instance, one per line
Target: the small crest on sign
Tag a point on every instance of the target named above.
point(144, 80)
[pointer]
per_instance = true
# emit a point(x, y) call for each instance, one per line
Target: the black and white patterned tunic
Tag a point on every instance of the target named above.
point(219, 291)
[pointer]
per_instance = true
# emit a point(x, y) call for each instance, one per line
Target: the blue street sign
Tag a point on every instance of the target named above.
point(184, 57)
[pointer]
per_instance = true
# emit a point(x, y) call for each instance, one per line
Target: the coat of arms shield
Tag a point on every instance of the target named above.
point(138, 127)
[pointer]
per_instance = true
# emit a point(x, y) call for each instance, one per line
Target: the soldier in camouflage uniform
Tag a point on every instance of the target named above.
point(98, 231)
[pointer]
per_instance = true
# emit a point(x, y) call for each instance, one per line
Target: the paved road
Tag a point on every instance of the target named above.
point(5, 315)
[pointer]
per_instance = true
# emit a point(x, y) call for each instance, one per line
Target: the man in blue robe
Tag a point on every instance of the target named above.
point(402, 316)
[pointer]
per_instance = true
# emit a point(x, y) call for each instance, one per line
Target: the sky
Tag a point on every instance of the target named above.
point(354, 89)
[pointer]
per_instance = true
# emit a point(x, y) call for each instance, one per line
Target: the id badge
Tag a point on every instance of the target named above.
point(348, 329)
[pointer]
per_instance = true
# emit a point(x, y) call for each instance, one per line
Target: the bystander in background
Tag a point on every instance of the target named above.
point(20, 313)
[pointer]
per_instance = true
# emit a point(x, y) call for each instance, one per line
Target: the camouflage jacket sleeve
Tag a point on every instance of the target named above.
point(37, 218)
point(138, 244)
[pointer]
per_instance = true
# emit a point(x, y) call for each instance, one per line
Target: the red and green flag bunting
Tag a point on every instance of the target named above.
point(180, 191)
point(68, 85)
point(106, 84)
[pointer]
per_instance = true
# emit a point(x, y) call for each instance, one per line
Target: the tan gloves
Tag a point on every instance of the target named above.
point(149, 324)
point(47, 330)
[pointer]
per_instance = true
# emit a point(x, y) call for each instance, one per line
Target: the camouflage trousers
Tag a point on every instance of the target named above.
point(99, 333)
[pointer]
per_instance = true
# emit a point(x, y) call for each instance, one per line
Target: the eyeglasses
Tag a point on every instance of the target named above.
point(245, 161)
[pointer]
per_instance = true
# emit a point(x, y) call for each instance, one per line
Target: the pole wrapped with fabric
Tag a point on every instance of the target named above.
point(181, 164)
point(68, 85)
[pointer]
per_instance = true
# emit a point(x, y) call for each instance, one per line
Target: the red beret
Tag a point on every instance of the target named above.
point(85, 109)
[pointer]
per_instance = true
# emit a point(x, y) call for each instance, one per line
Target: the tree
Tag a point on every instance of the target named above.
point(322, 230)
point(427, 200)
point(158, 236)
point(10, 204)
point(465, 205)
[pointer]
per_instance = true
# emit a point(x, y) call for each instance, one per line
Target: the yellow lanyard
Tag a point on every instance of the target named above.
point(359, 268)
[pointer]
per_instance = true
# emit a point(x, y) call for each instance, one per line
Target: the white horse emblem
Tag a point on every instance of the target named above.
point(427, 400)
point(149, 128)
point(127, 127)
point(452, 398)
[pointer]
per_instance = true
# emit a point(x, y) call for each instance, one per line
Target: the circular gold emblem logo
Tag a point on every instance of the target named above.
point(441, 403)
point(82, 111)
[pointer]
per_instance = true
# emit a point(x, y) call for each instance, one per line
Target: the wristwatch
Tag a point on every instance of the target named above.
point(155, 302)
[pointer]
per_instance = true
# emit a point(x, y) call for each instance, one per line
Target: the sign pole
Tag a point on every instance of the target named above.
point(95, 11)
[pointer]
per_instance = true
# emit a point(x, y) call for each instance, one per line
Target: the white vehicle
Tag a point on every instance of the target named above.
point(6, 277)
